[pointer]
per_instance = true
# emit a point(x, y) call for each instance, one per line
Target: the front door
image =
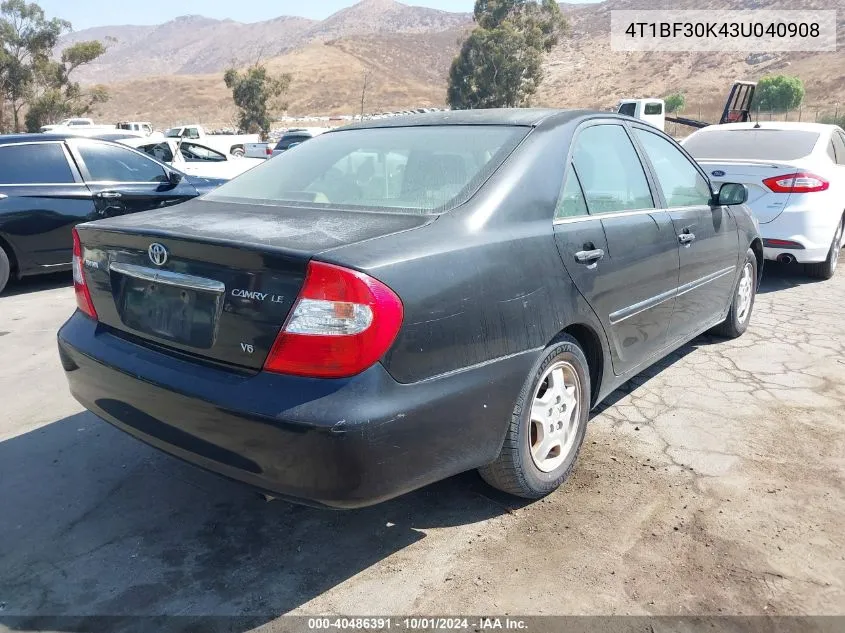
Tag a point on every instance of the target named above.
point(123, 180)
point(620, 251)
point(707, 236)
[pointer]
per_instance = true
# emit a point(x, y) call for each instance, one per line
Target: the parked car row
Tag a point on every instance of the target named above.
point(291, 138)
point(51, 182)
point(404, 299)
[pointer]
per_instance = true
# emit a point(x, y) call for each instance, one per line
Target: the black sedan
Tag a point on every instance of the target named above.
point(402, 300)
point(49, 183)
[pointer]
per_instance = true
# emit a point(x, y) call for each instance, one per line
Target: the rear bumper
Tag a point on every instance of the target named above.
point(812, 228)
point(338, 443)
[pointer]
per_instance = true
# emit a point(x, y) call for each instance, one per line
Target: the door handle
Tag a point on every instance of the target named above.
point(686, 238)
point(589, 257)
point(110, 194)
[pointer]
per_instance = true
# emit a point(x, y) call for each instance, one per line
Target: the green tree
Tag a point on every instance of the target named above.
point(27, 39)
point(500, 63)
point(779, 92)
point(55, 96)
point(257, 94)
point(675, 102)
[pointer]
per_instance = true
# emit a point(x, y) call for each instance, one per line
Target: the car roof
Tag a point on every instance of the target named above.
point(10, 139)
point(529, 117)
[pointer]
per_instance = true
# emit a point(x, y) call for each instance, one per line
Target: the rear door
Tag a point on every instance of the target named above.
point(707, 235)
point(123, 180)
point(620, 251)
point(42, 197)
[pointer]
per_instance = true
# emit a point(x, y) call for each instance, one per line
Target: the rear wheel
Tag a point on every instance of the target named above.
point(547, 426)
point(743, 300)
point(238, 151)
point(826, 269)
point(5, 269)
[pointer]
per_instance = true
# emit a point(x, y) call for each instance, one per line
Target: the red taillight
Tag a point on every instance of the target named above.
point(342, 323)
point(80, 286)
point(801, 182)
point(269, 151)
point(772, 243)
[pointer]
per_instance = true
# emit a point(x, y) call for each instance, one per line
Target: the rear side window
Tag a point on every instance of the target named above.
point(839, 146)
point(109, 163)
point(610, 171)
point(401, 169)
point(628, 109)
point(30, 164)
point(682, 184)
point(571, 203)
point(653, 108)
point(748, 143)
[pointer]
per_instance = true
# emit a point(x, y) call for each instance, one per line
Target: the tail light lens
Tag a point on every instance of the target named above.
point(80, 286)
point(342, 323)
point(269, 151)
point(801, 182)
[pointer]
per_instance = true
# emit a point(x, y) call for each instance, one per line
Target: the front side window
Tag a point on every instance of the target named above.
point(610, 171)
point(160, 151)
point(109, 163)
point(571, 203)
point(628, 109)
point(193, 153)
point(681, 182)
point(401, 169)
point(36, 163)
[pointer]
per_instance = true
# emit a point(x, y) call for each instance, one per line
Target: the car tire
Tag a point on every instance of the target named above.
point(742, 303)
point(5, 269)
point(538, 455)
point(826, 269)
point(238, 151)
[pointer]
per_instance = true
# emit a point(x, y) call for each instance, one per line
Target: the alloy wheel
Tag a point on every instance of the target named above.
point(555, 411)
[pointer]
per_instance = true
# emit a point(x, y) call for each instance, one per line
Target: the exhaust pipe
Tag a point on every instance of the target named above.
point(786, 258)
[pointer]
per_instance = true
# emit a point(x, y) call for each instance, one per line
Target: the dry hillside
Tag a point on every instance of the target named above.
point(173, 72)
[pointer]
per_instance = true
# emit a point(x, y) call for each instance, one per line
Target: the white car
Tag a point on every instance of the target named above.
point(795, 175)
point(193, 158)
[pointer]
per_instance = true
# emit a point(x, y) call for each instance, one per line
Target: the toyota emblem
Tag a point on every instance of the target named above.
point(157, 253)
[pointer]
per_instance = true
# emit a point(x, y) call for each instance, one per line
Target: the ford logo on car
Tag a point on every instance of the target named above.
point(718, 173)
point(157, 253)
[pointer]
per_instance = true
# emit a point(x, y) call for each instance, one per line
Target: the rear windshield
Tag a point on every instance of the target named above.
point(401, 169)
point(762, 144)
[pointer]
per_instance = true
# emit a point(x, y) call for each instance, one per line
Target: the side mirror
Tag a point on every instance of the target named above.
point(731, 193)
point(174, 177)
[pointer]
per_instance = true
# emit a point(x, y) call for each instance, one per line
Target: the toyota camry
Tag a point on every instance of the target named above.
point(405, 299)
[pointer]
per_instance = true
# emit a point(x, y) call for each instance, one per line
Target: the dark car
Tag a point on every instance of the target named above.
point(49, 183)
point(407, 299)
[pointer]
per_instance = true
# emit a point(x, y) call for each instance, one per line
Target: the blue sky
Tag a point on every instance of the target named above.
point(86, 13)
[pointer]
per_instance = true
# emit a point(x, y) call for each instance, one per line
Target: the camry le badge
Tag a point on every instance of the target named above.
point(157, 253)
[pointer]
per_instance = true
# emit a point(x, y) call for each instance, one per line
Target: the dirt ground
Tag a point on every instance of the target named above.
point(712, 484)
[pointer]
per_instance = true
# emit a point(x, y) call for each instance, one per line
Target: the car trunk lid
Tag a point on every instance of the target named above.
point(214, 280)
point(764, 203)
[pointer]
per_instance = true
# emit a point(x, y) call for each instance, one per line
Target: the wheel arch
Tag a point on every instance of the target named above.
point(6, 245)
point(590, 341)
point(757, 246)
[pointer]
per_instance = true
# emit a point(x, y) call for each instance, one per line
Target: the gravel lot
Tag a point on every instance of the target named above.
point(713, 484)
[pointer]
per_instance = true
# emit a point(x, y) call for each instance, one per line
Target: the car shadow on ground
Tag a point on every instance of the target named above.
point(777, 276)
point(37, 283)
point(95, 523)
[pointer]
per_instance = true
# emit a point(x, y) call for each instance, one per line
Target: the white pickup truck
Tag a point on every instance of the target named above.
point(227, 143)
point(82, 127)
